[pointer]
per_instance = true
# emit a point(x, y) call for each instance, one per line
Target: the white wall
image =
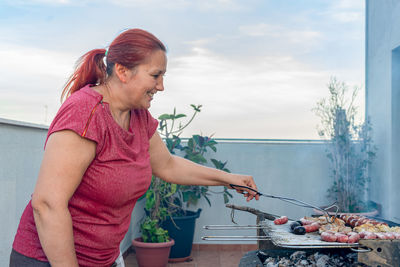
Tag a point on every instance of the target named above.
point(382, 100)
point(292, 169)
point(21, 149)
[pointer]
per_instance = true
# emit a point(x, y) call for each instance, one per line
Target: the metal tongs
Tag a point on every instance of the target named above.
point(293, 201)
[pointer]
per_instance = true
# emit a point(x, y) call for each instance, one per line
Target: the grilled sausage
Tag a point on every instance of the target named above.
point(381, 236)
point(304, 221)
point(341, 238)
point(328, 236)
point(312, 227)
point(363, 220)
point(390, 235)
point(353, 238)
point(396, 235)
point(370, 235)
point(281, 220)
point(363, 234)
point(353, 222)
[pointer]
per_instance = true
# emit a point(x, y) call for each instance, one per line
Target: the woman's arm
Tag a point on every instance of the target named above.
point(65, 160)
point(178, 170)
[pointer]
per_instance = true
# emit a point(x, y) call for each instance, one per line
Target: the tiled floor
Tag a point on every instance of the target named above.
point(205, 255)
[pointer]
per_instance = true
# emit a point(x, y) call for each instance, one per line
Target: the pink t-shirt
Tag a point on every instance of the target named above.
point(120, 173)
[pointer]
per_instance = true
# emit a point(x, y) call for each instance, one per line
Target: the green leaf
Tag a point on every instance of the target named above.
point(227, 192)
point(196, 108)
point(185, 196)
point(226, 199)
point(165, 117)
point(208, 200)
point(179, 116)
point(195, 139)
point(212, 142)
point(213, 148)
point(173, 190)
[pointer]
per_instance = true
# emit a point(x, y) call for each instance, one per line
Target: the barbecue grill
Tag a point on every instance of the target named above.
point(277, 240)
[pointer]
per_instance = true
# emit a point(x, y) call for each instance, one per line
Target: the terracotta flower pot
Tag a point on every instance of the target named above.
point(152, 254)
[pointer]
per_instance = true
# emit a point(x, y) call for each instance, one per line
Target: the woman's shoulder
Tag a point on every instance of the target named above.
point(81, 113)
point(83, 99)
point(80, 106)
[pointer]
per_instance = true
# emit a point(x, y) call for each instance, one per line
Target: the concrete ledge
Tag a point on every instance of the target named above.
point(23, 124)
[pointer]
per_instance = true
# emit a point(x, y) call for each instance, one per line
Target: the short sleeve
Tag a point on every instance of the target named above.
point(152, 124)
point(80, 115)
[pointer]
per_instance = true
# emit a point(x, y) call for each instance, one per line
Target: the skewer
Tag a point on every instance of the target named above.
point(233, 227)
point(235, 238)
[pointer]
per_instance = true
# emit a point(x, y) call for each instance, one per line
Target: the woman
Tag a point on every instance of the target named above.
point(100, 152)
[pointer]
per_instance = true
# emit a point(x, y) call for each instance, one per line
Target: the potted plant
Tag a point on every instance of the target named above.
point(153, 247)
point(178, 199)
point(350, 148)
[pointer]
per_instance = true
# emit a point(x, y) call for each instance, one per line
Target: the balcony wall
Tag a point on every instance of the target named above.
point(297, 169)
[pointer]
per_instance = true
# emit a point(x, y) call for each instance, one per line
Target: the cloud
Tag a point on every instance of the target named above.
point(273, 89)
point(148, 3)
point(39, 2)
point(260, 29)
point(25, 59)
point(202, 5)
point(278, 31)
point(348, 4)
point(347, 16)
point(31, 79)
point(346, 11)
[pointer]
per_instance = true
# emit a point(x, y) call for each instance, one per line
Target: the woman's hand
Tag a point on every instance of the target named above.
point(247, 181)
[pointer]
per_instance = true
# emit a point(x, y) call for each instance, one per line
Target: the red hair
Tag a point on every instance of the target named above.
point(129, 49)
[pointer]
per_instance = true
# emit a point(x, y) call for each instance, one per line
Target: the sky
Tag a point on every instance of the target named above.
point(258, 67)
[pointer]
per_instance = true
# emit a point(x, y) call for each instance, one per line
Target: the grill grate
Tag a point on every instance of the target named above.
point(282, 237)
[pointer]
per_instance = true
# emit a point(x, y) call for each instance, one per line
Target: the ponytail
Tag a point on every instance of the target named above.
point(90, 69)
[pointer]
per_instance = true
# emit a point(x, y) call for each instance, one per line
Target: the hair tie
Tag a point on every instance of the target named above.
point(105, 54)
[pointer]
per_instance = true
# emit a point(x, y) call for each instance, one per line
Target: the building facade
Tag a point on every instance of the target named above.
point(382, 74)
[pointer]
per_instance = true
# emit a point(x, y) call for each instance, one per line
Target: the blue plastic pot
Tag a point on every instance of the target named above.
point(182, 233)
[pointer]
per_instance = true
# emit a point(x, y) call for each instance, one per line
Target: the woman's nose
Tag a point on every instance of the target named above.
point(160, 84)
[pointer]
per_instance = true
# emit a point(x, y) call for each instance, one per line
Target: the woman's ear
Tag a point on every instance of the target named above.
point(121, 72)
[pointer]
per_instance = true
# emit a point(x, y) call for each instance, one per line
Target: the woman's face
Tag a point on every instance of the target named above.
point(145, 80)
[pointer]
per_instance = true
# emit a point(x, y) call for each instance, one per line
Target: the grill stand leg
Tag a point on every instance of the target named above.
point(264, 244)
point(385, 253)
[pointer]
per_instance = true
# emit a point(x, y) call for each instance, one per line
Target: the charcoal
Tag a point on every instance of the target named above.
point(315, 257)
point(284, 262)
point(298, 255)
point(300, 259)
point(322, 261)
point(304, 263)
point(352, 257)
point(270, 262)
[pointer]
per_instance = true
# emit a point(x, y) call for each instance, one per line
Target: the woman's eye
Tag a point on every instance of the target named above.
point(156, 76)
